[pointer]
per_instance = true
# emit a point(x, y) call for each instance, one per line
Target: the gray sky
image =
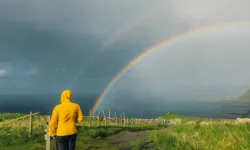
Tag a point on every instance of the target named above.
point(46, 46)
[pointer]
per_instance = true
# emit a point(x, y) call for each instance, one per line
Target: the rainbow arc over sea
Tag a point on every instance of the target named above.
point(154, 48)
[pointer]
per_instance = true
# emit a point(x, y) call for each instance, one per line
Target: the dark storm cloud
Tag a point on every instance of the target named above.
point(55, 40)
point(46, 45)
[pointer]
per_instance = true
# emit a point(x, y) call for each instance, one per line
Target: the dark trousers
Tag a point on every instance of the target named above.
point(66, 142)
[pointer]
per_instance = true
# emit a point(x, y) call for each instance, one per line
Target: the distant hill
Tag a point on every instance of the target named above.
point(245, 96)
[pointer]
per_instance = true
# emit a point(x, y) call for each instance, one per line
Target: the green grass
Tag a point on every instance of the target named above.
point(138, 144)
point(14, 136)
point(206, 137)
point(186, 119)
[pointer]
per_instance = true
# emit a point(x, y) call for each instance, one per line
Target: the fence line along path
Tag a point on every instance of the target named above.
point(34, 121)
point(30, 116)
point(106, 120)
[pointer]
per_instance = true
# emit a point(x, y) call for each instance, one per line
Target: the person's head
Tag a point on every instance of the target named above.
point(66, 96)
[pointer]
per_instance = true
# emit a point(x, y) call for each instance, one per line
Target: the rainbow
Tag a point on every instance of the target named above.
point(117, 36)
point(156, 47)
point(160, 8)
point(135, 23)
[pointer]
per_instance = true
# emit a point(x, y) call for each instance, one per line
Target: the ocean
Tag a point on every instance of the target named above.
point(140, 109)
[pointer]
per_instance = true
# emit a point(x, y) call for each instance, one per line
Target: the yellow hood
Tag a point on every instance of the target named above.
point(66, 96)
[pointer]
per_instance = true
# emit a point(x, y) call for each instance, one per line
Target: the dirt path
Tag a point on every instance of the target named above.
point(127, 137)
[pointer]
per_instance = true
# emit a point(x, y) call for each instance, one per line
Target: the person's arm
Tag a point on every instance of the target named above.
point(53, 123)
point(80, 116)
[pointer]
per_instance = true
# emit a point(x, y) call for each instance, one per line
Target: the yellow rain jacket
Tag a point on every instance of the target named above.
point(65, 116)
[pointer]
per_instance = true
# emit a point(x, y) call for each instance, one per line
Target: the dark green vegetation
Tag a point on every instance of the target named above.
point(185, 119)
point(219, 134)
point(8, 116)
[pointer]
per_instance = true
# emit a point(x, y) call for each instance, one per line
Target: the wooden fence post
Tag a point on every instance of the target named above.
point(104, 118)
point(124, 119)
point(30, 125)
point(109, 118)
point(98, 118)
point(47, 135)
point(116, 120)
point(127, 122)
point(121, 119)
point(82, 124)
point(90, 117)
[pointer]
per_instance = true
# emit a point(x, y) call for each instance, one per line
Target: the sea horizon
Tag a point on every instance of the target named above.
point(206, 109)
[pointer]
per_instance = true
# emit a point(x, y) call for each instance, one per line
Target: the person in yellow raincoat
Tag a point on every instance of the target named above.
point(63, 121)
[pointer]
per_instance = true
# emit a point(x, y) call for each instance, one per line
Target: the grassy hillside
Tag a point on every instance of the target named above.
point(14, 135)
point(189, 133)
point(245, 96)
point(223, 137)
